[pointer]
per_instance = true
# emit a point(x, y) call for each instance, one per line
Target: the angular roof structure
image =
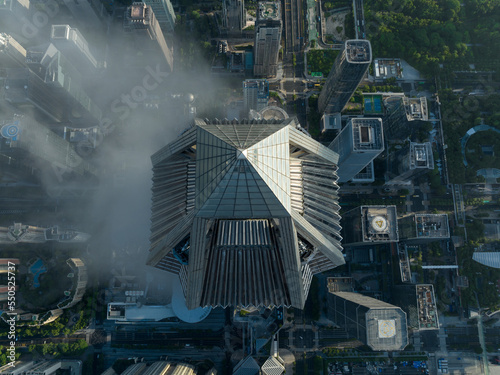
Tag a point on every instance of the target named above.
point(245, 212)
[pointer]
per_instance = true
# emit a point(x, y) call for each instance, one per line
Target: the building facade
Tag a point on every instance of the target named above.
point(377, 324)
point(347, 71)
point(361, 141)
point(255, 94)
point(234, 15)
point(404, 116)
point(409, 162)
point(12, 54)
point(245, 213)
point(268, 28)
point(164, 13)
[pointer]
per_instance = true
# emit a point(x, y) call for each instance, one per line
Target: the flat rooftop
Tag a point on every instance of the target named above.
point(416, 108)
point(387, 68)
point(358, 51)
point(367, 134)
point(426, 306)
point(432, 226)
point(421, 156)
point(269, 10)
point(379, 223)
point(60, 31)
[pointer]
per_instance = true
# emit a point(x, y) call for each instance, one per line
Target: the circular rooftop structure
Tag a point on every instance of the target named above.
point(379, 224)
point(273, 113)
point(180, 309)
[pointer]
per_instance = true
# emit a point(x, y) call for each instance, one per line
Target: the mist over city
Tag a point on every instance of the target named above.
point(249, 187)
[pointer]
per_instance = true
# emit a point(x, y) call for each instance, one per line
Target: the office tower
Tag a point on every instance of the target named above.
point(419, 304)
point(66, 83)
point(12, 54)
point(164, 13)
point(234, 17)
point(26, 142)
point(366, 225)
point(44, 368)
point(245, 212)
point(410, 162)
point(487, 258)
point(18, 369)
point(347, 72)
point(141, 21)
point(75, 48)
point(404, 116)
point(361, 141)
point(255, 94)
point(267, 39)
point(421, 228)
point(377, 324)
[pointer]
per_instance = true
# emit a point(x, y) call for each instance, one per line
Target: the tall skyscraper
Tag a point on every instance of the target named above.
point(164, 13)
point(12, 54)
point(421, 228)
point(13, 15)
point(347, 71)
point(245, 213)
point(71, 43)
point(409, 162)
point(66, 81)
point(361, 141)
point(267, 39)
point(378, 324)
point(255, 94)
point(234, 17)
point(367, 225)
point(141, 21)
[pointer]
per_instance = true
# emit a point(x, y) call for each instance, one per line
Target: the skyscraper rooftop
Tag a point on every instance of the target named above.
point(358, 51)
point(424, 227)
point(269, 10)
point(245, 213)
point(370, 224)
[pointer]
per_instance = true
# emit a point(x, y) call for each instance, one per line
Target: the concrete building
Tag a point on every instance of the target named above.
point(88, 13)
point(25, 142)
point(80, 278)
point(339, 284)
point(256, 196)
point(367, 225)
point(331, 122)
point(377, 324)
point(164, 13)
point(347, 71)
point(255, 94)
point(233, 16)
point(66, 82)
point(141, 22)
point(409, 162)
point(44, 368)
point(247, 366)
point(71, 43)
point(421, 228)
point(404, 116)
point(12, 54)
point(419, 304)
point(268, 27)
point(14, 16)
point(19, 233)
point(361, 141)
point(18, 369)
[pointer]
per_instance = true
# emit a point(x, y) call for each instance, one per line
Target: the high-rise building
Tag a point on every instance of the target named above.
point(88, 13)
point(233, 15)
point(404, 116)
point(14, 18)
point(71, 43)
point(164, 13)
point(245, 212)
point(12, 54)
point(360, 142)
point(367, 225)
point(267, 39)
point(377, 324)
point(255, 94)
point(418, 228)
point(141, 21)
point(410, 162)
point(347, 71)
point(22, 233)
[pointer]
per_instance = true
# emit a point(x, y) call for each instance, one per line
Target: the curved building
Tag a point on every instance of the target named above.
point(245, 213)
